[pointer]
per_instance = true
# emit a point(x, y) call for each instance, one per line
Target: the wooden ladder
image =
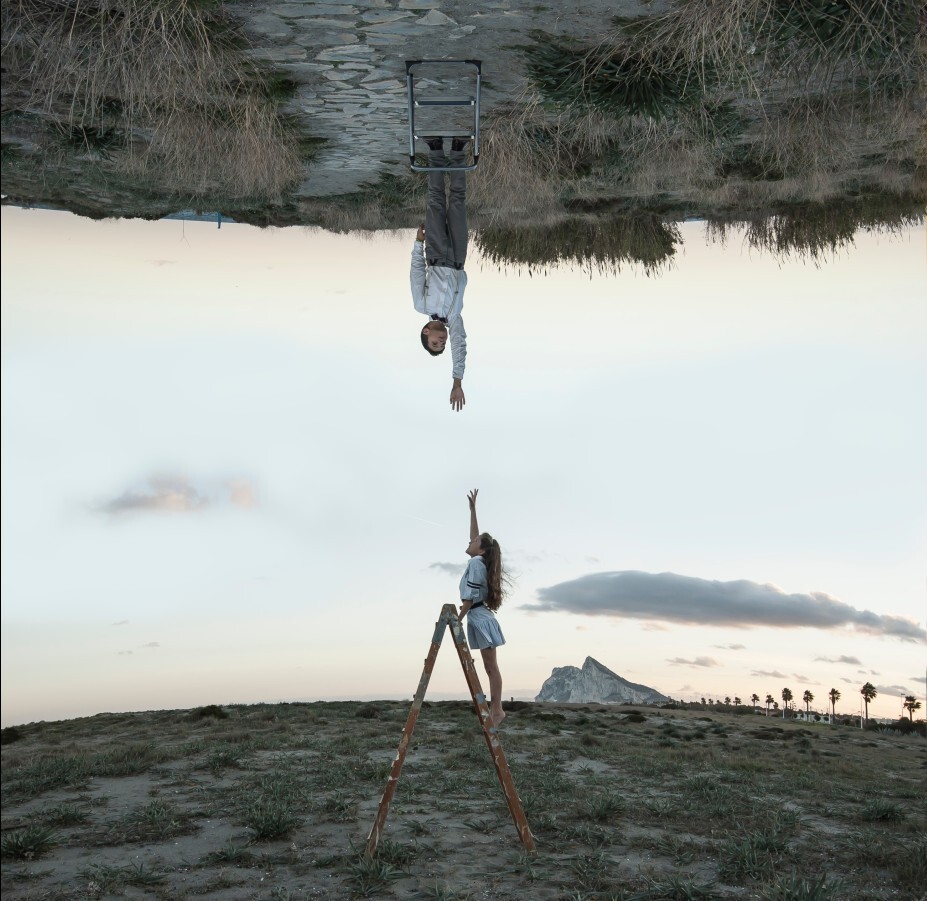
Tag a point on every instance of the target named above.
point(449, 619)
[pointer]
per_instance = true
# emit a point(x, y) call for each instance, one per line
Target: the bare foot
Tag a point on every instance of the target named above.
point(496, 717)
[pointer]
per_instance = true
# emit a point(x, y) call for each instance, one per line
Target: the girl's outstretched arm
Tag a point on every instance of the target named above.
point(474, 528)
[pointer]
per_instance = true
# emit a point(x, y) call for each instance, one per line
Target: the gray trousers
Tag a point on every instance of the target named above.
point(446, 222)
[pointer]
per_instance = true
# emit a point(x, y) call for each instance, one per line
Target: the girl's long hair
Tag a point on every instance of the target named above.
point(495, 574)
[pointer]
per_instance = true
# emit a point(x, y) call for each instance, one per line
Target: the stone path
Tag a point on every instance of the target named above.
point(348, 58)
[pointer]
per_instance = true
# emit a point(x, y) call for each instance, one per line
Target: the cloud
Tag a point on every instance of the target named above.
point(769, 674)
point(152, 644)
point(843, 658)
point(803, 679)
point(179, 494)
point(697, 661)
point(731, 647)
point(122, 622)
point(452, 569)
point(693, 601)
point(893, 690)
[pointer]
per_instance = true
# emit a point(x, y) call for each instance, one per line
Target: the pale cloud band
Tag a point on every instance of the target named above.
point(669, 597)
point(178, 494)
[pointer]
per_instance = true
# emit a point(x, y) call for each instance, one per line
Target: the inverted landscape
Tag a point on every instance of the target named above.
point(799, 122)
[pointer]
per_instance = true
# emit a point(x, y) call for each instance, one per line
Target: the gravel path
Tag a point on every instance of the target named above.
point(348, 59)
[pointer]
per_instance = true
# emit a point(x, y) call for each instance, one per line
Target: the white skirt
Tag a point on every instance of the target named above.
point(483, 629)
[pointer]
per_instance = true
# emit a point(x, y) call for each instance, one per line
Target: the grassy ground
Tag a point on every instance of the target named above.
point(275, 801)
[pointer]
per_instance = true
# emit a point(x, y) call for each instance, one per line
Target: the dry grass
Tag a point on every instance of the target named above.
point(169, 76)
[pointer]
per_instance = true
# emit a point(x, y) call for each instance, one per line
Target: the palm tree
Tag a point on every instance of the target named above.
point(737, 702)
point(786, 698)
point(911, 704)
point(834, 696)
point(727, 700)
point(868, 691)
point(769, 700)
point(756, 699)
point(807, 697)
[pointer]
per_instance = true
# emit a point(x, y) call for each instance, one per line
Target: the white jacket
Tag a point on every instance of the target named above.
point(439, 291)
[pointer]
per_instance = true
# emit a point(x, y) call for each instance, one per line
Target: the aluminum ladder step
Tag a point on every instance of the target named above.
point(463, 101)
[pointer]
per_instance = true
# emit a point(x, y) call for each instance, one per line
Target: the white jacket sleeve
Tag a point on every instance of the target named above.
point(458, 336)
point(417, 276)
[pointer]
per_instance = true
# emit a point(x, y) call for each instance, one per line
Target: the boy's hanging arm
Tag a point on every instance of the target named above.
point(417, 271)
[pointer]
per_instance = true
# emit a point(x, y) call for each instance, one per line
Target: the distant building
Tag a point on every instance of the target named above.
point(197, 216)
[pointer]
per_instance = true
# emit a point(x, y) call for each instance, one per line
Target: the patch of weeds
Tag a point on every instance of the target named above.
point(370, 875)
point(395, 853)
point(483, 826)
point(106, 880)
point(660, 807)
point(595, 836)
point(27, 843)
point(65, 815)
point(368, 712)
point(601, 808)
point(681, 851)
point(422, 827)
point(230, 853)
point(797, 888)
point(154, 821)
point(10, 733)
point(223, 759)
point(674, 888)
point(339, 807)
point(753, 857)
point(911, 863)
point(881, 810)
point(592, 871)
point(213, 711)
point(619, 81)
point(441, 892)
point(271, 812)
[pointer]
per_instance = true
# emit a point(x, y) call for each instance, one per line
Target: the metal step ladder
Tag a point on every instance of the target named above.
point(414, 69)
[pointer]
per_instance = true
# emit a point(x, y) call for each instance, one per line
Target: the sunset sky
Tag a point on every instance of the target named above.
point(231, 474)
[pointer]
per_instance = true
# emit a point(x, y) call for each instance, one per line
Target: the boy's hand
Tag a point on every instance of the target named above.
point(420, 234)
point(457, 396)
point(471, 497)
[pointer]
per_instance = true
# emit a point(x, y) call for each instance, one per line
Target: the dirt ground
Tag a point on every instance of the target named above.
point(276, 801)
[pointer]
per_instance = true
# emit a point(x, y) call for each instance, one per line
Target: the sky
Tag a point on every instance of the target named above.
point(230, 473)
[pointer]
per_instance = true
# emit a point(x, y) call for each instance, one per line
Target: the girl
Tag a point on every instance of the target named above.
point(482, 588)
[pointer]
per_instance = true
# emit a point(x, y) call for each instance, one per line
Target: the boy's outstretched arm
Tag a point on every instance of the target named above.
point(417, 271)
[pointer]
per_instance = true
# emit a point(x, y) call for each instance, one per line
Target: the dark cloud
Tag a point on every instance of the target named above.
point(843, 658)
point(692, 601)
point(800, 678)
point(452, 569)
point(696, 661)
point(769, 674)
point(178, 494)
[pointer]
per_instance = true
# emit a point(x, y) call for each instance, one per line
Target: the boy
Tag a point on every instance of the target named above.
point(437, 275)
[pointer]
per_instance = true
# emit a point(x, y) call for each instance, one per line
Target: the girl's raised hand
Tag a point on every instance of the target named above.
point(471, 497)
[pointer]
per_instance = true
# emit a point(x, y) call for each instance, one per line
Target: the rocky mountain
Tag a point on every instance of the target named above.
point(595, 684)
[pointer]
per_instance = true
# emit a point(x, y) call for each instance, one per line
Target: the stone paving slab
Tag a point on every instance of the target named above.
point(348, 59)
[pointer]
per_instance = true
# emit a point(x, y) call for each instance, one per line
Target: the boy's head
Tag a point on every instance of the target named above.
point(434, 337)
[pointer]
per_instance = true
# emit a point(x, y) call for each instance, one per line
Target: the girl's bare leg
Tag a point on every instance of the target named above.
point(496, 713)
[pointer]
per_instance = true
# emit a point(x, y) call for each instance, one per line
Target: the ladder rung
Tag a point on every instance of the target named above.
point(466, 101)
